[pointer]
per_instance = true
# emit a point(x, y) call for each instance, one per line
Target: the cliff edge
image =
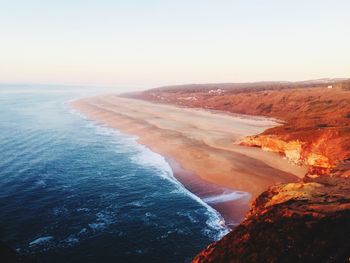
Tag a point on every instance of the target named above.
point(308, 221)
point(314, 115)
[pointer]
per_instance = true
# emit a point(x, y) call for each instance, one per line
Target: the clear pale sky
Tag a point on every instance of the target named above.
point(147, 43)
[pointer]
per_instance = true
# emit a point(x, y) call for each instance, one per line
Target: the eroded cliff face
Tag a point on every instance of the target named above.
point(292, 150)
point(315, 127)
point(296, 151)
point(308, 221)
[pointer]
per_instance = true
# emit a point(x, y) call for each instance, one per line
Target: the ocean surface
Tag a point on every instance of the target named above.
point(72, 190)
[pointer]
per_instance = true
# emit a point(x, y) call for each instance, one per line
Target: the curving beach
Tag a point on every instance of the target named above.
point(201, 148)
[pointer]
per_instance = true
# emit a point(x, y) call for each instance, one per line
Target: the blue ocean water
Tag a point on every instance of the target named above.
point(72, 190)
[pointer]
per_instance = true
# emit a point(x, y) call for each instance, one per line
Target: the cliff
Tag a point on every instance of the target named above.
point(315, 116)
point(308, 221)
point(296, 151)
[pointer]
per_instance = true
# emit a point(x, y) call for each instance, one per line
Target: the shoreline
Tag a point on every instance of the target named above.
point(230, 204)
point(231, 198)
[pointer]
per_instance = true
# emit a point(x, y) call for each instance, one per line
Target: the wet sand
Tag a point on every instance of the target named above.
point(200, 147)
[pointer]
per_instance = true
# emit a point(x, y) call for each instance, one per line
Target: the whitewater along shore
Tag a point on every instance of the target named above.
point(201, 148)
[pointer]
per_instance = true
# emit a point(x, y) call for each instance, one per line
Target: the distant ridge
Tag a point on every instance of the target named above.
point(249, 86)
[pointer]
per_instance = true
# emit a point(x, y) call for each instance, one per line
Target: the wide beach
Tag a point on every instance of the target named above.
point(201, 148)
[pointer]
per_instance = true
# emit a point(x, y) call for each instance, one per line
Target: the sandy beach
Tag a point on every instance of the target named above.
point(201, 148)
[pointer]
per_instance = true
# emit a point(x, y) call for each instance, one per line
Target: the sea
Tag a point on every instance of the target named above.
point(73, 190)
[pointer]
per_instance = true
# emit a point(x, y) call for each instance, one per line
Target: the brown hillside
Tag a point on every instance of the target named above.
point(315, 116)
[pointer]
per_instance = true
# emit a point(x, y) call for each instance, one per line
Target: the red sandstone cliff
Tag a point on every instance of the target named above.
point(297, 222)
point(315, 116)
point(307, 221)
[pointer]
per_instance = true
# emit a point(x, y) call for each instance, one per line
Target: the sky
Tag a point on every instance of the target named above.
point(135, 44)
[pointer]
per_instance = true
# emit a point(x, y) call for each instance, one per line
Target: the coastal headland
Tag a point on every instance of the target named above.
point(304, 221)
point(299, 204)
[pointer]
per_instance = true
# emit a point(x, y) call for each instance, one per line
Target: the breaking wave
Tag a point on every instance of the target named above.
point(146, 157)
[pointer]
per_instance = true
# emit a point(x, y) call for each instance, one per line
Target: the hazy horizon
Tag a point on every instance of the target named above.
point(139, 45)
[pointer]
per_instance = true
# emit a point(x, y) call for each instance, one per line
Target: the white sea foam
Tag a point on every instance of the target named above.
point(103, 220)
point(72, 240)
point(73, 111)
point(82, 231)
point(147, 157)
point(189, 215)
point(150, 158)
point(41, 240)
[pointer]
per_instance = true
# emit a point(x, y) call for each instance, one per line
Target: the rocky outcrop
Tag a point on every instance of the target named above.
point(292, 150)
point(295, 151)
point(308, 221)
point(315, 128)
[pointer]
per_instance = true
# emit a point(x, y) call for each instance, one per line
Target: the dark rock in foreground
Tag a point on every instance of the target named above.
point(297, 222)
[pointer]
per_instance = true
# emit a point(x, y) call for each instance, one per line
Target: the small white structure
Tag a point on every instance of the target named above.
point(330, 87)
point(217, 91)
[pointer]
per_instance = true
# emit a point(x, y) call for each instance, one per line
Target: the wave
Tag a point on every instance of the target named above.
point(146, 157)
point(41, 240)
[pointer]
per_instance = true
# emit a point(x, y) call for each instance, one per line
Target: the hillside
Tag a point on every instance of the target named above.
point(314, 115)
point(305, 221)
